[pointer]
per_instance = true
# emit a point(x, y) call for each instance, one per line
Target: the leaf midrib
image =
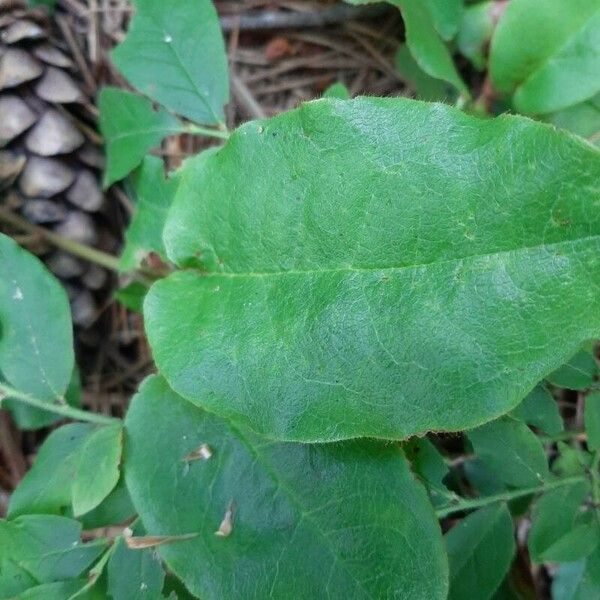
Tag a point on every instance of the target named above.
point(471, 258)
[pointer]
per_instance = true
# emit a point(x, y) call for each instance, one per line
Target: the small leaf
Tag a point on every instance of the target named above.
point(132, 295)
point(428, 463)
point(115, 509)
point(555, 516)
point(547, 52)
point(320, 313)
point(577, 374)
point(130, 128)
point(134, 574)
point(476, 28)
point(511, 450)
point(58, 590)
point(578, 580)
point(425, 86)
point(480, 550)
point(337, 90)
point(36, 339)
point(446, 16)
point(97, 469)
point(46, 488)
point(46, 547)
point(582, 119)
point(540, 410)
point(154, 195)
point(346, 519)
point(179, 62)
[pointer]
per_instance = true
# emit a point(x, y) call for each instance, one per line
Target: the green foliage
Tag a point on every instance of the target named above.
point(130, 128)
point(304, 518)
point(350, 269)
point(480, 550)
point(154, 195)
point(177, 59)
point(302, 317)
point(36, 352)
point(546, 53)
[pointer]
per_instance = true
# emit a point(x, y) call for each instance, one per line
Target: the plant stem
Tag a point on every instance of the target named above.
point(108, 261)
point(60, 409)
point(471, 504)
point(199, 130)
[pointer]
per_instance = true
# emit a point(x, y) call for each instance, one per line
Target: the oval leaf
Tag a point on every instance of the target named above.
point(97, 469)
point(286, 521)
point(371, 280)
point(36, 334)
point(177, 59)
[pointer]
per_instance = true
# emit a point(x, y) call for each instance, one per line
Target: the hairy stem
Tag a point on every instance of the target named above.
point(471, 504)
point(63, 410)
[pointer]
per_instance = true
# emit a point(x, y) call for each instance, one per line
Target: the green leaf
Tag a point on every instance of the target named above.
point(548, 53)
point(134, 574)
point(115, 509)
point(555, 516)
point(592, 420)
point(511, 450)
point(475, 32)
point(570, 460)
point(97, 469)
point(46, 488)
point(427, 462)
point(372, 282)
point(582, 119)
point(540, 410)
point(337, 90)
point(45, 547)
point(154, 195)
point(480, 551)
point(578, 580)
point(179, 62)
point(344, 519)
point(577, 374)
point(130, 128)
point(59, 590)
point(36, 338)
point(425, 86)
point(428, 49)
point(132, 295)
point(446, 16)
point(424, 42)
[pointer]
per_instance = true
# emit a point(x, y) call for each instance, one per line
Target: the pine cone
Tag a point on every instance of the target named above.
point(49, 165)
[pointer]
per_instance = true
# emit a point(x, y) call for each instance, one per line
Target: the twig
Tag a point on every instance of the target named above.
point(245, 97)
point(64, 410)
point(470, 504)
point(267, 19)
point(12, 453)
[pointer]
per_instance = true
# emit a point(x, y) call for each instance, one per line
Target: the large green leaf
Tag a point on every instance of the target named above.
point(177, 58)
point(130, 128)
point(154, 194)
point(344, 520)
point(377, 267)
point(480, 550)
point(36, 337)
point(511, 451)
point(548, 53)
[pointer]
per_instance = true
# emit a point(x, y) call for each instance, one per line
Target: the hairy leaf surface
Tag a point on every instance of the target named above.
point(377, 267)
point(344, 520)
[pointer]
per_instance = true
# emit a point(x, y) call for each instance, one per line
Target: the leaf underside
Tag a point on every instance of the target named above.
point(377, 267)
